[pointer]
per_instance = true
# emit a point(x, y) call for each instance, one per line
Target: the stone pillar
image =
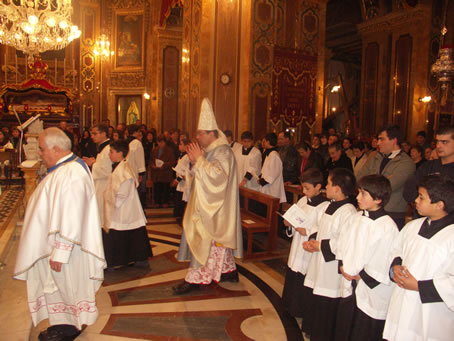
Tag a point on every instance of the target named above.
point(31, 180)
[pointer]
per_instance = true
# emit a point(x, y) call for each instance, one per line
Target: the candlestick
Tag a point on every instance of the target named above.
point(6, 71)
point(74, 73)
point(64, 72)
point(55, 71)
point(15, 55)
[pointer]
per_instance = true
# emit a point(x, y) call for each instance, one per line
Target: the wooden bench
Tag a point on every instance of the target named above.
point(261, 210)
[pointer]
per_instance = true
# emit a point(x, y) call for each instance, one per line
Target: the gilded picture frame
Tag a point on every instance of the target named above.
point(129, 40)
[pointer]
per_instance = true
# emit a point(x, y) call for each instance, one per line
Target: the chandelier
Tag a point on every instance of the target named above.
point(35, 26)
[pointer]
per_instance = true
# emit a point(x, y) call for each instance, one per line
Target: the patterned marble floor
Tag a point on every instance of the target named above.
point(138, 304)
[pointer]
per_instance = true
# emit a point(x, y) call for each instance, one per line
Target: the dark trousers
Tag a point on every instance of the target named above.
point(161, 193)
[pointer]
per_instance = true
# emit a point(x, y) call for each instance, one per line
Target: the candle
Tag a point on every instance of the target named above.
point(6, 71)
point(55, 71)
point(74, 73)
point(15, 55)
point(64, 72)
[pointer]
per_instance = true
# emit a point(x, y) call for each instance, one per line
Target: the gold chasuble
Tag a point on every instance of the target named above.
point(213, 210)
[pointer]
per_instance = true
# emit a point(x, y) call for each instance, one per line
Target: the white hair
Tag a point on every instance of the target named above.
point(55, 137)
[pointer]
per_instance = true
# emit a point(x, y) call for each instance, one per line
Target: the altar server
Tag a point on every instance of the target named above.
point(60, 252)
point(365, 258)
point(322, 276)
point(313, 204)
point(249, 162)
point(422, 303)
point(271, 180)
point(125, 236)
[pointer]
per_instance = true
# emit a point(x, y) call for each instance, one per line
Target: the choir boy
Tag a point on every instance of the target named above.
point(319, 316)
point(313, 204)
point(125, 236)
point(249, 161)
point(181, 182)
point(365, 258)
point(422, 303)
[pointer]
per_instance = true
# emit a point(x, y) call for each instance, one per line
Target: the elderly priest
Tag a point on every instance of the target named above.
point(60, 252)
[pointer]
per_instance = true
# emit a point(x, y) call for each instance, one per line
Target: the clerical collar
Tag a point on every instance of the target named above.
point(335, 205)
point(246, 151)
point(114, 165)
point(268, 152)
point(374, 215)
point(317, 200)
point(101, 146)
point(430, 228)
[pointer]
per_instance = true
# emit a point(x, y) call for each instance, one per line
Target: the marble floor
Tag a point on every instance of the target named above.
point(138, 304)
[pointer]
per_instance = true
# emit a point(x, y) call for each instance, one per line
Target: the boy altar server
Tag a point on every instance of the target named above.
point(249, 162)
point(422, 303)
point(60, 252)
point(365, 258)
point(313, 204)
point(125, 238)
point(322, 276)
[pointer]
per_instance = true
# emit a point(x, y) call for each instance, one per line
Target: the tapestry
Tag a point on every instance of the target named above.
point(294, 87)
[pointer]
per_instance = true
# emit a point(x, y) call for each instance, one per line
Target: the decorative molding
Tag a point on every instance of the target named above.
point(127, 79)
point(392, 20)
point(129, 4)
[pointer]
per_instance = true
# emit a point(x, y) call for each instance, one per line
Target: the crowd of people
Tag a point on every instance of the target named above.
point(356, 267)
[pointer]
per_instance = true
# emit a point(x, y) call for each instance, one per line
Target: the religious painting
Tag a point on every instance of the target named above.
point(129, 40)
point(129, 109)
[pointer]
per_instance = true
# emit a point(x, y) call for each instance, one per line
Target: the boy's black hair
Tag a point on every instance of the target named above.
point(343, 178)
point(440, 188)
point(358, 145)
point(228, 133)
point(421, 133)
point(120, 146)
point(132, 128)
point(312, 176)
point(377, 186)
point(418, 148)
point(247, 135)
point(272, 139)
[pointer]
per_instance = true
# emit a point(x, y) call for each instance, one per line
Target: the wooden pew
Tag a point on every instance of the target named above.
point(261, 209)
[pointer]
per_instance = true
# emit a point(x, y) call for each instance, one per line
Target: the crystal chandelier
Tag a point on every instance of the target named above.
point(35, 26)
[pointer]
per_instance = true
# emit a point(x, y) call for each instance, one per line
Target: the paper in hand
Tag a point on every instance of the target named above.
point(159, 163)
point(295, 216)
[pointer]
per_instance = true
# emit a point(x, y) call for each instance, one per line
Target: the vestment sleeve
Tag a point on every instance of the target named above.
point(274, 169)
point(255, 163)
point(61, 249)
point(103, 166)
point(445, 284)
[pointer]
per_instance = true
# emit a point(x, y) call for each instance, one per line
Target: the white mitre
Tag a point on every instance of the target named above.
point(207, 121)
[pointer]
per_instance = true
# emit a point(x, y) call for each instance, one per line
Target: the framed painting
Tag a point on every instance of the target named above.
point(129, 108)
point(129, 40)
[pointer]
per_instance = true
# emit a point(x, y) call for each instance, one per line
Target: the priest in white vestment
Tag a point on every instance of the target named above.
point(60, 252)
point(101, 167)
point(212, 225)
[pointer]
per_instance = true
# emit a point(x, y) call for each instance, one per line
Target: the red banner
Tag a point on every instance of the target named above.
point(294, 86)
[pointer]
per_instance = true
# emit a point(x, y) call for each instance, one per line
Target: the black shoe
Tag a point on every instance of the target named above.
point(185, 287)
point(55, 335)
point(230, 277)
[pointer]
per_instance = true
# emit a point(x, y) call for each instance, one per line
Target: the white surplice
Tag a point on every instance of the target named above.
point(62, 224)
point(298, 259)
point(323, 276)
point(426, 259)
point(250, 163)
point(272, 173)
point(136, 157)
point(369, 249)
point(101, 170)
point(122, 207)
point(183, 172)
